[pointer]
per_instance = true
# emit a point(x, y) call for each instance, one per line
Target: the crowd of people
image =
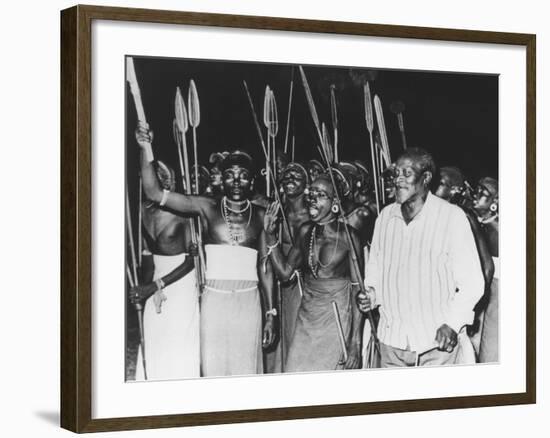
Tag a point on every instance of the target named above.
point(320, 275)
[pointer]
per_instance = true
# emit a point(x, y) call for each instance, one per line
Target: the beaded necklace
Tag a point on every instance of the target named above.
point(313, 243)
point(237, 236)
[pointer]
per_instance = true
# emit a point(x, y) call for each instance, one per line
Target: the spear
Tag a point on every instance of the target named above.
point(134, 282)
point(398, 108)
point(266, 124)
point(269, 171)
point(334, 114)
point(325, 147)
point(136, 93)
point(385, 149)
point(194, 121)
point(293, 146)
point(271, 175)
point(382, 128)
point(369, 119)
point(289, 109)
point(273, 128)
point(182, 126)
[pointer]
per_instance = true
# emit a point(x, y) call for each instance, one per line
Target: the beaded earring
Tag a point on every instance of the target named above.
point(334, 208)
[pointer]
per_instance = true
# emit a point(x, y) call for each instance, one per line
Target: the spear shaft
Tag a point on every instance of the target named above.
point(288, 113)
point(134, 282)
point(369, 119)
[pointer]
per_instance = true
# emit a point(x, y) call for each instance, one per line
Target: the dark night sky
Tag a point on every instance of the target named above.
point(452, 115)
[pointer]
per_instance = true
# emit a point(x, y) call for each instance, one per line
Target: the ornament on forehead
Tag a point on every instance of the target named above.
point(297, 166)
point(315, 163)
point(217, 157)
point(352, 173)
point(203, 172)
point(343, 180)
point(491, 184)
point(237, 158)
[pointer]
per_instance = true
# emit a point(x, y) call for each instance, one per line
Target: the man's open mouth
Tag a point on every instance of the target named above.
point(313, 211)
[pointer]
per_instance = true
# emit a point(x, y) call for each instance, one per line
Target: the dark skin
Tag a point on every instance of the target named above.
point(483, 199)
point(411, 191)
point(294, 184)
point(248, 226)
point(165, 234)
point(336, 258)
point(447, 190)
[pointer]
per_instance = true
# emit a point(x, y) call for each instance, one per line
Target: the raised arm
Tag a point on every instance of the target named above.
point(187, 204)
point(284, 266)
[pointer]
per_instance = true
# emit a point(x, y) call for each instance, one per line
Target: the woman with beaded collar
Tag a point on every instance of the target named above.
point(231, 317)
point(321, 251)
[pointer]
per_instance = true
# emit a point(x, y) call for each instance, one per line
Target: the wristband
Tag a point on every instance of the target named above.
point(160, 284)
point(271, 312)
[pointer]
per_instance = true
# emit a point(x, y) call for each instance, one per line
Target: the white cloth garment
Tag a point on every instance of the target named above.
point(231, 262)
point(231, 315)
point(425, 274)
point(172, 345)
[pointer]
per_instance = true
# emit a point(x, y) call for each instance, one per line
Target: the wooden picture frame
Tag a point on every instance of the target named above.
point(76, 217)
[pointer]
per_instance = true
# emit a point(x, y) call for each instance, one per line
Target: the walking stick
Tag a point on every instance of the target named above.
point(182, 127)
point(340, 330)
point(355, 261)
point(134, 282)
point(369, 119)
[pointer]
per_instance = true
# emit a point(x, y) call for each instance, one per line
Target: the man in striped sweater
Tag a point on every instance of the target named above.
point(423, 271)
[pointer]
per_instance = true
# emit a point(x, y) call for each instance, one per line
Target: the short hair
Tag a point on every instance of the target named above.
point(237, 158)
point(455, 175)
point(421, 157)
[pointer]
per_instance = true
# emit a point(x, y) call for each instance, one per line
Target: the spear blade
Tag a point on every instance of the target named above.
point(327, 149)
point(266, 105)
point(382, 126)
point(134, 89)
point(334, 114)
point(193, 105)
point(333, 109)
point(181, 112)
point(311, 103)
point(272, 116)
point(369, 119)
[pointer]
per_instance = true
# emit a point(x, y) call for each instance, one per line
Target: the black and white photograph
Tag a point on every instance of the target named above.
point(290, 218)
